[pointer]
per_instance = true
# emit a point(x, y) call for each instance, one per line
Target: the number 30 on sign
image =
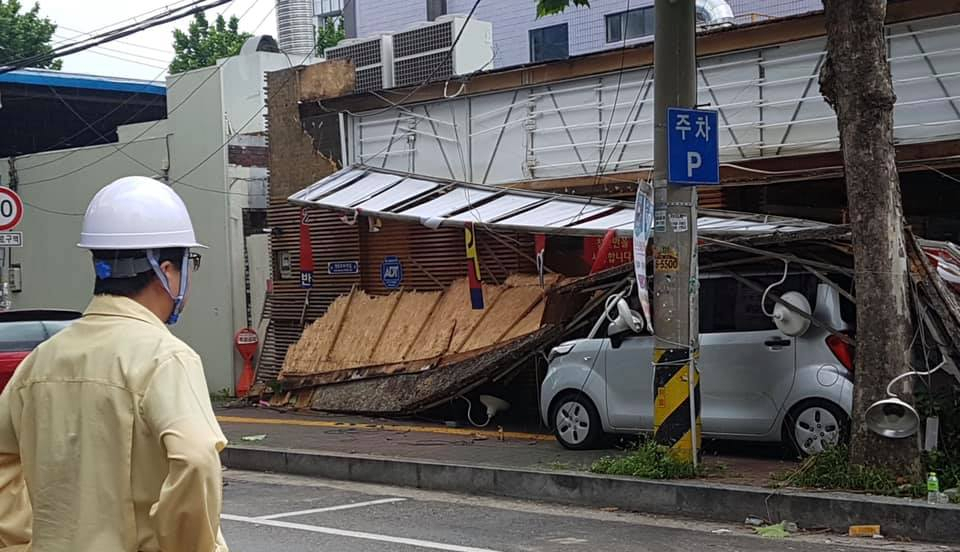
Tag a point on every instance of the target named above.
point(11, 209)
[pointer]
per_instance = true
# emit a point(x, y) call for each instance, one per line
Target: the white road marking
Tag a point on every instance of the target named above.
point(355, 534)
point(332, 508)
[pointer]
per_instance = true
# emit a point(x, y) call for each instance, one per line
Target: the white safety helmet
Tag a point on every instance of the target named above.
point(136, 212)
point(139, 214)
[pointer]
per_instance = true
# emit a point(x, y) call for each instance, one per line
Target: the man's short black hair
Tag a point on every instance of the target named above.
point(131, 287)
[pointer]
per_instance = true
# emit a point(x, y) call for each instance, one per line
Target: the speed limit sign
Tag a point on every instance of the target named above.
point(11, 209)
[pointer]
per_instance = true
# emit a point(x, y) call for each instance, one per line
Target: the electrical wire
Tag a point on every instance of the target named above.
point(97, 131)
point(130, 98)
point(134, 18)
point(167, 17)
point(119, 149)
point(80, 33)
point(763, 299)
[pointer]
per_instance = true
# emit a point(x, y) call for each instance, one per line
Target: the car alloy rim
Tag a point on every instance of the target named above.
point(816, 429)
point(573, 422)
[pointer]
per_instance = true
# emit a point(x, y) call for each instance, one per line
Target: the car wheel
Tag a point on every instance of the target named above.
point(814, 426)
point(576, 423)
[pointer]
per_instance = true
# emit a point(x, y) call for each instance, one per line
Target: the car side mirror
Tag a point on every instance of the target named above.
point(616, 340)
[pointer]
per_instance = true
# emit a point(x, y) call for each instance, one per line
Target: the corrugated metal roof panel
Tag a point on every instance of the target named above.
point(449, 202)
point(360, 190)
point(510, 209)
point(618, 219)
point(402, 192)
point(556, 214)
point(495, 209)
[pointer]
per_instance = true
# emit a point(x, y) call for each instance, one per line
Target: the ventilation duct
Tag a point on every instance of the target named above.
point(295, 26)
point(260, 43)
point(714, 13)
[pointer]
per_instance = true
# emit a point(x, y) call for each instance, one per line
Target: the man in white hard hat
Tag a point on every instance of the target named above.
point(106, 430)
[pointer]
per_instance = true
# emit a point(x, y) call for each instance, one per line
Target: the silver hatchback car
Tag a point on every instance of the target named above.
point(756, 383)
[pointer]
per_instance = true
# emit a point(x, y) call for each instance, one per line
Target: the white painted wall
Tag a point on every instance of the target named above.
point(57, 187)
point(244, 89)
point(206, 108)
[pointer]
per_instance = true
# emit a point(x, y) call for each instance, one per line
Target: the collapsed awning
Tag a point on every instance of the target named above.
point(443, 203)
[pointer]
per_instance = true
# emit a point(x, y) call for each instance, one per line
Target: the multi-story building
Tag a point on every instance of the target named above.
point(519, 36)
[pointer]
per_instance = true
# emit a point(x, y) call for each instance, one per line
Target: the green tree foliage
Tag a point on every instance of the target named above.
point(551, 7)
point(329, 34)
point(202, 45)
point(24, 35)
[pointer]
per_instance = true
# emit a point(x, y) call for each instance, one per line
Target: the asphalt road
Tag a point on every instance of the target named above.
point(273, 512)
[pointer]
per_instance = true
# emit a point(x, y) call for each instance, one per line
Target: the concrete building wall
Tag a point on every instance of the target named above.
point(207, 108)
point(512, 20)
point(57, 186)
point(244, 89)
point(198, 174)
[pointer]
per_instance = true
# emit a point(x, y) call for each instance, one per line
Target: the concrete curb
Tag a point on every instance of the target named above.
point(710, 501)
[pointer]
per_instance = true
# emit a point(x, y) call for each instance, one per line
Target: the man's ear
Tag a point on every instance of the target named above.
point(171, 270)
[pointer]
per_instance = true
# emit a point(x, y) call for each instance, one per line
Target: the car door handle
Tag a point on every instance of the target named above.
point(777, 342)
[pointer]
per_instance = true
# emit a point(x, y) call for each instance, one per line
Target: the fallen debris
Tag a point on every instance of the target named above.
point(864, 530)
point(253, 438)
point(777, 531)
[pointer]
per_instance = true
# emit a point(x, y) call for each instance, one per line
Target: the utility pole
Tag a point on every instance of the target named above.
point(676, 309)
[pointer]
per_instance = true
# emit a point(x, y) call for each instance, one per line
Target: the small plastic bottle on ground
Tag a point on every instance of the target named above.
point(933, 489)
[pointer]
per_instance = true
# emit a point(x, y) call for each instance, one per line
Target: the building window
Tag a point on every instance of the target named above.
point(436, 8)
point(329, 8)
point(630, 25)
point(549, 43)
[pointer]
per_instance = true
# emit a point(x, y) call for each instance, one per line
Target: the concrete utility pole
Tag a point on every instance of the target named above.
point(676, 309)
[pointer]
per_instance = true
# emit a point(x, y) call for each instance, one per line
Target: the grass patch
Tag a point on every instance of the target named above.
point(649, 461)
point(832, 470)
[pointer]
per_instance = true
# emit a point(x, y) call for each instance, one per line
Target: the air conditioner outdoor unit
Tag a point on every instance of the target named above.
point(418, 51)
point(372, 57)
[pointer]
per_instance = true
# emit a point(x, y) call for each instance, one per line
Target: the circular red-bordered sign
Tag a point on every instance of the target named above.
point(11, 209)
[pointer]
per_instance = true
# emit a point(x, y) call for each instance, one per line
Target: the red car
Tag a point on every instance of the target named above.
point(22, 330)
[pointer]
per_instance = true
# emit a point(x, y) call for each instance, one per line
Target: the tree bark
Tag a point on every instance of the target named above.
point(855, 80)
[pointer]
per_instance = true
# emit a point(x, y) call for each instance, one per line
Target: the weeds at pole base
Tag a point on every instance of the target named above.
point(832, 469)
point(648, 460)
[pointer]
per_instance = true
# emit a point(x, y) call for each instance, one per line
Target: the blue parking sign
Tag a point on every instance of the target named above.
point(693, 147)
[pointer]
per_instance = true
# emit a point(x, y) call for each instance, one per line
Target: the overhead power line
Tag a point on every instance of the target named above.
point(110, 36)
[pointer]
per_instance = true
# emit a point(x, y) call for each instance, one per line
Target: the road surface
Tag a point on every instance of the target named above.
point(293, 514)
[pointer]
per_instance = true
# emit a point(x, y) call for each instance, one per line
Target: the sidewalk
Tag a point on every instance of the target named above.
point(439, 443)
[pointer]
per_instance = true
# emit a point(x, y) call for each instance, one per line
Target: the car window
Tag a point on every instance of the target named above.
point(727, 305)
point(21, 336)
point(56, 326)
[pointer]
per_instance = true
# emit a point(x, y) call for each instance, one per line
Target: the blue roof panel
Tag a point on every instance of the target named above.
point(73, 80)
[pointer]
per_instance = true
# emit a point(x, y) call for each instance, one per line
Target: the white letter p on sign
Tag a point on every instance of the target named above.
point(693, 162)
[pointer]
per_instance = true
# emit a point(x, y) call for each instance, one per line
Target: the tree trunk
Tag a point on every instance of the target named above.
point(855, 81)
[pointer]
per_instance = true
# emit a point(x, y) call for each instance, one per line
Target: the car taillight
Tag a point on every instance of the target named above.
point(842, 350)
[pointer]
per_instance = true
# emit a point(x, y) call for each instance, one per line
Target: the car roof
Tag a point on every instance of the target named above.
point(38, 315)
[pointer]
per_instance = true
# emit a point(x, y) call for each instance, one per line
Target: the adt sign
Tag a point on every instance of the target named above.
point(693, 147)
point(391, 272)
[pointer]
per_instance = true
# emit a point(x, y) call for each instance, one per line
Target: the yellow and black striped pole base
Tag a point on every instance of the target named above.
point(671, 410)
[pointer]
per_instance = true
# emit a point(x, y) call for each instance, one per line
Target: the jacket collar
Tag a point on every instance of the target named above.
point(116, 306)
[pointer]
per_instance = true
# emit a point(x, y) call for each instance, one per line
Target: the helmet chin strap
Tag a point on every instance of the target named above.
point(184, 282)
